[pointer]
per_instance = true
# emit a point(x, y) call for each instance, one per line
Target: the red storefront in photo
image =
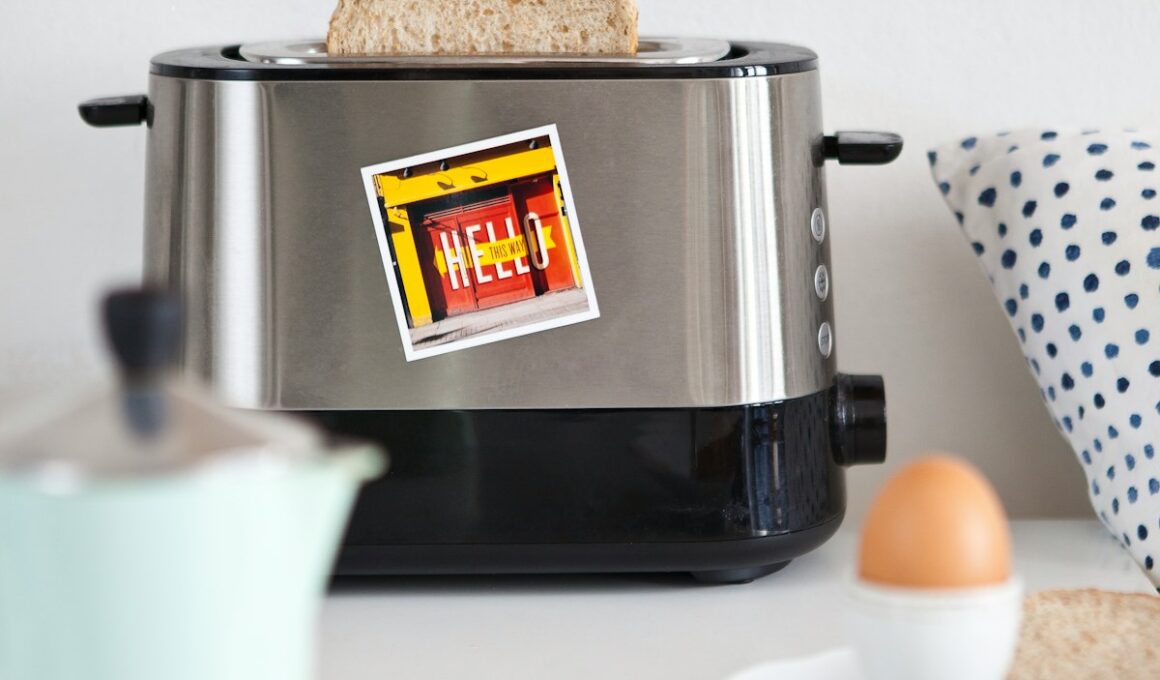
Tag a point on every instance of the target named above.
point(493, 246)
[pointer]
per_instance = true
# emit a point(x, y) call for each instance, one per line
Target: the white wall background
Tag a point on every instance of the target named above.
point(911, 302)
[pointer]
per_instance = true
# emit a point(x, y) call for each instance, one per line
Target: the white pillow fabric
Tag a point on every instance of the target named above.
point(1066, 224)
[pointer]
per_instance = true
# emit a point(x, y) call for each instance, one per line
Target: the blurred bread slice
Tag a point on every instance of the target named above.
point(1089, 634)
point(466, 27)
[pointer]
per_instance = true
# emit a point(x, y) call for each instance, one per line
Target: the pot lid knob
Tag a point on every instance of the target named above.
point(144, 328)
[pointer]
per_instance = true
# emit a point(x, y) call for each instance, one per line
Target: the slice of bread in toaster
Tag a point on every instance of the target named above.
point(481, 27)
point(1088, 634)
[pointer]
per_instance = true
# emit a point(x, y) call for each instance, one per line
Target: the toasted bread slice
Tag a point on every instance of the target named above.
point(1089, 635)
point(483, 27)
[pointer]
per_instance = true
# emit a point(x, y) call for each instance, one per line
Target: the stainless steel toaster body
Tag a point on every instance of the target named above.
point(696, 425)
point(695, 195)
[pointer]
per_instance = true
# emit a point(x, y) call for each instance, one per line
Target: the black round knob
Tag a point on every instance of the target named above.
point(144, 328)
point(859, 420)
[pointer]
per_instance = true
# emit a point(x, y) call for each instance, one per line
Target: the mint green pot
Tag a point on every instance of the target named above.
point(216, 573)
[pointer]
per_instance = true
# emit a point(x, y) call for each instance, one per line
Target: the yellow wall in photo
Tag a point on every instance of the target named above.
point(471, 172)
point(407, 255)
point(568, 242)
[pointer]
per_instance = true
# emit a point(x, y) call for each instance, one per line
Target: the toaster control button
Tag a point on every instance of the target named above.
point(826, 339)
point(818, 225)
point(822, 282)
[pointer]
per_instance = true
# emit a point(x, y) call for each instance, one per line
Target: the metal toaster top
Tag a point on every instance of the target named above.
point(662, 58)
point(653, 51)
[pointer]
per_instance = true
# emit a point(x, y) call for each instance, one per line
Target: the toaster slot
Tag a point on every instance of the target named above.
point(652, 51)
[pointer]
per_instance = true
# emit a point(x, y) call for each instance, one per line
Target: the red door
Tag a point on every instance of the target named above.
point(550, 259)
point(448, 279)
point(477, 258)
point(498, 253)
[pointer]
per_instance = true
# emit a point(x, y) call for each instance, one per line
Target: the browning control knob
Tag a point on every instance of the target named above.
point(859, 420)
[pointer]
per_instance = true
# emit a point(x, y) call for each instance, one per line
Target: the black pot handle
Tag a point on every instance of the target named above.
point(117, 111)
point(862, 148)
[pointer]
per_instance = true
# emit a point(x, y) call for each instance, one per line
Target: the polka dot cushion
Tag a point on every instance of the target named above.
point(1066, 225)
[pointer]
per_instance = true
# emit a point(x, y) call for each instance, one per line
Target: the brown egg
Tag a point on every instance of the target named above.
point(936, 524)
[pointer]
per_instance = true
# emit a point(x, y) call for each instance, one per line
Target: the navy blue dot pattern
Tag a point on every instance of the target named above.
point(1066, 225)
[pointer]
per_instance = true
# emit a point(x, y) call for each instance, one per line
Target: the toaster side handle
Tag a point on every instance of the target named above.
point(117, 111)
point(862, 148)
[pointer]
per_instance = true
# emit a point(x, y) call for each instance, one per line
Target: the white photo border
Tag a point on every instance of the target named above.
point(413, 354)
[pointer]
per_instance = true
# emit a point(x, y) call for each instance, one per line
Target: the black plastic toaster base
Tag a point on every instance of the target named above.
point(712, 562)
point(725, 493)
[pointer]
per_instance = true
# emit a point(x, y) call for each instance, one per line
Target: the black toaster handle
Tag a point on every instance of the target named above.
point(862, 148)
point(116, 111)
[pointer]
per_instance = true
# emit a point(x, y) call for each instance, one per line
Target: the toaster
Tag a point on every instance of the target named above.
point(652, 385)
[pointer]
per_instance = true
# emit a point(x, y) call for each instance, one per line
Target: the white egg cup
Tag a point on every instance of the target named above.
point(921, 633)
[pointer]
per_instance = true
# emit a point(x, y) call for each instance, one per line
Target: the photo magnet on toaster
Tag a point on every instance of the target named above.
point(480, 242)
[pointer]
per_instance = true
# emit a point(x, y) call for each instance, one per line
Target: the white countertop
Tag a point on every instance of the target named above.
point(641, 627)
